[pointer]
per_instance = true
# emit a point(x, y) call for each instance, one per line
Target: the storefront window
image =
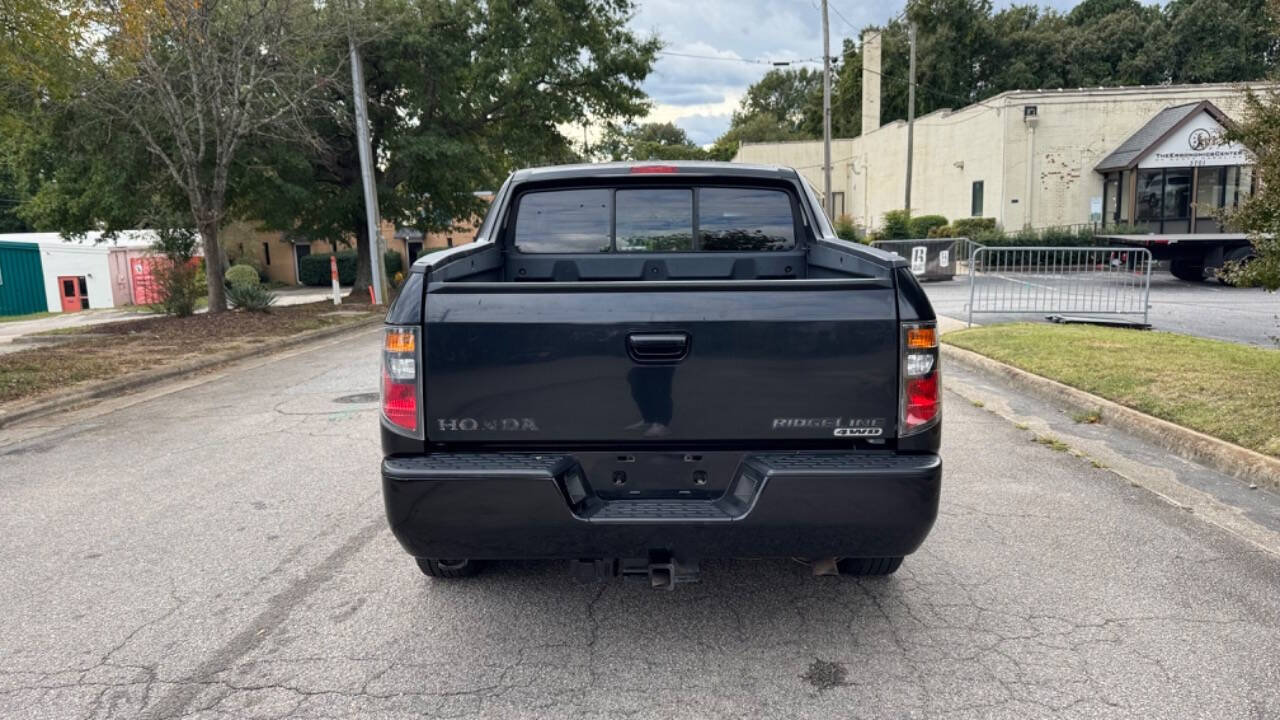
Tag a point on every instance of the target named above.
point(1126, 183)
point(1177, 200)
point(1239, 184)
point(1150, 197)
point(1208, 198)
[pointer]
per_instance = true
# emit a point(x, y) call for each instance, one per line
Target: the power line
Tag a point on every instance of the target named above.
point(748, 61)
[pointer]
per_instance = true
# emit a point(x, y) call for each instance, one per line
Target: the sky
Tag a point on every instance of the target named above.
point(699, 94)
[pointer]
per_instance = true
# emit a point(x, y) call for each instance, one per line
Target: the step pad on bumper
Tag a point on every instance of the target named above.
point(659, 510)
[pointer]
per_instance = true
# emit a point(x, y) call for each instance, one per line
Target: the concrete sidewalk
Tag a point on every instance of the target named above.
point(84, 318)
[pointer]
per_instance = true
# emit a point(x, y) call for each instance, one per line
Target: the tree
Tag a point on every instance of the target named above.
point(185, 84)
point(967, 52)
point(785, 104)
point(784, 96)
point(1259, 216)
point(459, 93)
point(650, 141)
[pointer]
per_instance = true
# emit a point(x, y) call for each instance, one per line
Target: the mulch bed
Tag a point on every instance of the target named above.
point(146, 344)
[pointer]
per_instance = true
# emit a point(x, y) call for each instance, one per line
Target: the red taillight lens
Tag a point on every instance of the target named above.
point(922, 401)
point(400, 403)
point(401, 381)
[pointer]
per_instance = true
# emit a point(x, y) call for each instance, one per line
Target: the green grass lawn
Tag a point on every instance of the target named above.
point(29, 316)
point(1222, 389)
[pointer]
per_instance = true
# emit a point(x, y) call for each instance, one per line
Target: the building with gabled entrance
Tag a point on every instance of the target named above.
point(1043, 158)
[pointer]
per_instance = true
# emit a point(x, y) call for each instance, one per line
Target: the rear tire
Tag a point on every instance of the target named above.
point(1187, 269)
point(441, 568)
point(869, 566)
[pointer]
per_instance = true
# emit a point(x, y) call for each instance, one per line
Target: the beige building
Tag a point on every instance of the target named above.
point(1033, 158)
point(277, 253)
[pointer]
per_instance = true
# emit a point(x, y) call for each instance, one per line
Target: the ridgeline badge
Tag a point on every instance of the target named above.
point(839, 426)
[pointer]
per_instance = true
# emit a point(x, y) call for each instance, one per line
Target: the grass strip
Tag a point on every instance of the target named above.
point(146, 344)
point(1222, 389)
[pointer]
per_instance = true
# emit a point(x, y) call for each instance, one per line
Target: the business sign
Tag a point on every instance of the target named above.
point(1198, 143)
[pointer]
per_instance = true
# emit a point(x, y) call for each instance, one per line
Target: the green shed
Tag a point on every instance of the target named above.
point(21, 279)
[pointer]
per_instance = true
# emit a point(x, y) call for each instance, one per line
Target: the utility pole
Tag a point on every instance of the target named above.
point(372, 219)
point(911, 109)
point(826, 114)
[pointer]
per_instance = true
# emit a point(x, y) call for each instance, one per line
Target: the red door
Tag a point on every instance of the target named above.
point(74, 294)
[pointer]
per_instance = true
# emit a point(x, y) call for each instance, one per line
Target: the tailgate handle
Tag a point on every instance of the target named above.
point(658, 347)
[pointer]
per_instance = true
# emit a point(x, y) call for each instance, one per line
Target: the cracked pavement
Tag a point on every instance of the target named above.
point(217, 549)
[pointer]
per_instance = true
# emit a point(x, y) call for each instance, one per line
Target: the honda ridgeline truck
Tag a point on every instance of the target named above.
point(636, 366)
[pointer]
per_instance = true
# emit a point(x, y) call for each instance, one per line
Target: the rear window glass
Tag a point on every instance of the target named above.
point(565, 221)
point(652, 220)
point(649, 219)
point(740, 219)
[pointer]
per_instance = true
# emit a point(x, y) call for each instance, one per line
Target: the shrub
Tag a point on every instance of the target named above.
point(314, 269)
point(921, 226)
point(178, 287)
point(393, 262)
point(202, 279)
point(897, 226)
point(845, 229)
point(254, 297)
point(241, 275)
point(970, 227)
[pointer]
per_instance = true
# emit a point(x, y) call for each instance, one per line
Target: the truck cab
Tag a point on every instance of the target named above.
point(636, 366)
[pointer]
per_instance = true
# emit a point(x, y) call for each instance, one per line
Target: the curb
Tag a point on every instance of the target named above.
point(53, 403)
point(1188, 444)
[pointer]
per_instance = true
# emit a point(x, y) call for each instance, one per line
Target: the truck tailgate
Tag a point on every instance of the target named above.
point(568, 366)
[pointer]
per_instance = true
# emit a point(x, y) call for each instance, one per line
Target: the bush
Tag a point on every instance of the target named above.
point(845, 229)
point(393, 262)
point(254, 297)
point(178, 287)
point(202, 279)
point(241, 275)
point(921, 226)
point(968, 227)
point(314, 269)
point(897, 226)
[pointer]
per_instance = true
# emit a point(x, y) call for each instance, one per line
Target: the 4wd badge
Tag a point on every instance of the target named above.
point(859, 432)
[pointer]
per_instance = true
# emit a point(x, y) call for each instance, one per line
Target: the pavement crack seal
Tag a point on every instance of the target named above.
point(1161, 482)
point(255, 633)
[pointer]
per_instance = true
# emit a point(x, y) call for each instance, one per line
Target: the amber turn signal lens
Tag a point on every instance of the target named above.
point(922, 338)
point(399, 341)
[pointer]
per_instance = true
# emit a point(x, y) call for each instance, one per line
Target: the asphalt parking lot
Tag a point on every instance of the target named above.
point(217, 549)
point(1206, 309)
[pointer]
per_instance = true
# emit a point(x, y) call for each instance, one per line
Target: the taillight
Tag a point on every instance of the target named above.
point(401, 381)
point(921, 404)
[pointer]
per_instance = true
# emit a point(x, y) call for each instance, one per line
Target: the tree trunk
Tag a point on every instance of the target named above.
point(213, 268)
point(364, 273)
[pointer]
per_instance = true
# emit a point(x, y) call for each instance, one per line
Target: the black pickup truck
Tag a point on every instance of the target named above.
point(636, 366)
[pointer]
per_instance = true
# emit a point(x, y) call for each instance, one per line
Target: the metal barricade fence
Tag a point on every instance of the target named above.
point(1085, 281)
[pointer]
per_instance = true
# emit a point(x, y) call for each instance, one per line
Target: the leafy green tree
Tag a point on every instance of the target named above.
point(1260, 214)
point(1213, 40)
point(459, 94)
point(191, 84)
point(967, 52)
point(651, 141)
point(785, 96)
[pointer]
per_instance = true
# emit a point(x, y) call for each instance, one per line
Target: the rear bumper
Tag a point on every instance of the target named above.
point(527, 505)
